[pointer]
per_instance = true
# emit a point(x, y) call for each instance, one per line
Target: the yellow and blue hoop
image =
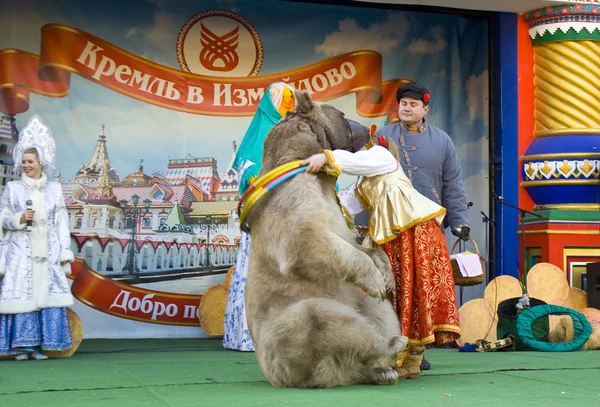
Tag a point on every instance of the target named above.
point(265, 183)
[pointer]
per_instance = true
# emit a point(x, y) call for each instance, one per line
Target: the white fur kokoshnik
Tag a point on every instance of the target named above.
point(276, 92)
point(39, 136)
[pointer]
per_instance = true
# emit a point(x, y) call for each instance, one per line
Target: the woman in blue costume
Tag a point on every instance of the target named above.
point(274, 105)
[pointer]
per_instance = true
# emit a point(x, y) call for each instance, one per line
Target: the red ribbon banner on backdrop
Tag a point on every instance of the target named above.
point(130, 302)
point(66, 50)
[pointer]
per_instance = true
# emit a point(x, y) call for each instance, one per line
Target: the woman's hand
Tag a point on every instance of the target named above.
point(27, 216)
point(315, 162)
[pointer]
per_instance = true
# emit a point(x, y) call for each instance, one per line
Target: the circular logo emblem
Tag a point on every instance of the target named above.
point(219, 43)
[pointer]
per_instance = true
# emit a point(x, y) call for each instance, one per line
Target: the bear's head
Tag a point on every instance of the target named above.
point(310, 128)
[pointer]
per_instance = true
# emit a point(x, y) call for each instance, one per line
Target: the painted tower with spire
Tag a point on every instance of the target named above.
point(91, 172)
point(101, 212)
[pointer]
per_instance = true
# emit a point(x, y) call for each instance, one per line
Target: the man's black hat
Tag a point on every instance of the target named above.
point(414, 91)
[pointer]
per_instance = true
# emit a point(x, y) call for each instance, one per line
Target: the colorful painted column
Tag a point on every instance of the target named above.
point(561, 167)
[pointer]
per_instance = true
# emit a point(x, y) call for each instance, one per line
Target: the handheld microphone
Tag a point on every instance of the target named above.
point(29, 206)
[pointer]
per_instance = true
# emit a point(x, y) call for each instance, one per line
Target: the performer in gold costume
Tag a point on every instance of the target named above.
point(406, 225)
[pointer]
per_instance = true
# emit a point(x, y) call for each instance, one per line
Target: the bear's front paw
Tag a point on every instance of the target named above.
point(385, 268)
point(373, 284)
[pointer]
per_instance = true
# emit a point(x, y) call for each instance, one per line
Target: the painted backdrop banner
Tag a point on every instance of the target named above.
point(104, 63)
point(149, 99)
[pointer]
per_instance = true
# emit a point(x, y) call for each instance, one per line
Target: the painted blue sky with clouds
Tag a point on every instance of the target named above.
point(447, 53)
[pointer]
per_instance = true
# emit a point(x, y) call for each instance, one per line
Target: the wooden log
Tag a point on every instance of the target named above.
point(576, 299)
point(548, 283)
point(499, 289)
point(212, 310)
point(476, 322)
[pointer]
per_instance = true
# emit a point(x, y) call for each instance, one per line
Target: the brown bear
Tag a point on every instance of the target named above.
point(309, 321)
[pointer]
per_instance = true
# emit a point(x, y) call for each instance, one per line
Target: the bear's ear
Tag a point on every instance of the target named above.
point(304, 103)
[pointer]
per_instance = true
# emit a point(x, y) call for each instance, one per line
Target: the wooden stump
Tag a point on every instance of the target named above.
point(499, 289)
point(576, 299)
point(548, 283)
point(476, 322)
point(212, 310)
point(76, 327)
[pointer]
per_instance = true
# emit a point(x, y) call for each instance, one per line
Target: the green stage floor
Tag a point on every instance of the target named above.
point(124, 373)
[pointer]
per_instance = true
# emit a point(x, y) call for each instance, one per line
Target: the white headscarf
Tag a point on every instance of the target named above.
point(276, 92)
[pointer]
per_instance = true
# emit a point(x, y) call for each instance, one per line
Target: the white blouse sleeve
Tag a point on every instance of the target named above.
point(367, 163)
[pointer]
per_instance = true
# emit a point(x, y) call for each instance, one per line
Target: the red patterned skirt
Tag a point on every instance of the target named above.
point(425, 298)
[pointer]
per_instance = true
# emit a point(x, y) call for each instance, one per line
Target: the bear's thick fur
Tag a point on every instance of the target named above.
point(310, 325)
